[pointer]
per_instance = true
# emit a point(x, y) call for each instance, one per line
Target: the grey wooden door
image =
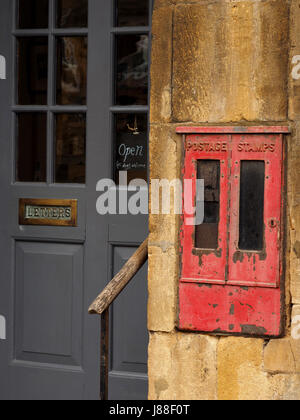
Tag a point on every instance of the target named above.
point(73, 99)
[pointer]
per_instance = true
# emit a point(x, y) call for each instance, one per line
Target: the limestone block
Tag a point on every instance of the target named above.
point(295, 254)
point(278, 357)
point(294, 99)
point(165, 152)
point(284, 387)
point(182, 367)
point(163, 288)
point(293, 187)
point(161, 67)
point(159, 364)
point(230, 61)
point(240, 373)
point(165, 164)
point(295, 339)
point(162, 3)
point(283, 356)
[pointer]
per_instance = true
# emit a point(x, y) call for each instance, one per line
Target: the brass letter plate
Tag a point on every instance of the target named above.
point(38, 212)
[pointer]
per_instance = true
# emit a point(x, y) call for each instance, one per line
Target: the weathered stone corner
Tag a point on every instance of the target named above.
point(240, 374)
point(182, 367)
point(220, 62)
point(283, 356)
point(278, 357)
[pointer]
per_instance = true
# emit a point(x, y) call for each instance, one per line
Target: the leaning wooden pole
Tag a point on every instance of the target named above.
point(120, 281)
point(105, 299)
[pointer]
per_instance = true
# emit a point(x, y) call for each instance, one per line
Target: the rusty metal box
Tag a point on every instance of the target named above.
point(232, 279)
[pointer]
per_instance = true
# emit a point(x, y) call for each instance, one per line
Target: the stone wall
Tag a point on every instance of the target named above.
point(220, 62)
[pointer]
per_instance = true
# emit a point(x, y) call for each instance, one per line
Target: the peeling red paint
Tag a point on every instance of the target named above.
point(206, 265)
point(265, 271)
point(263, 311)
point(229, 290)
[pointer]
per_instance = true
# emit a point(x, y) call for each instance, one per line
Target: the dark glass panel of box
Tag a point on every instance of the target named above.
point(131, 146)
point(72, 13)
point(70, 148)
point(207, 234)
point(71, 80)
point(132, 69)
point(32, 70)
point(132, 13)
point(31, 147)
point(33, 14)
point(252, 191)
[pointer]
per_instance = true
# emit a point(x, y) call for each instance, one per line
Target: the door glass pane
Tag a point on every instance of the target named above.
point(71, 79)
point(70, 148)
point(72, 13)
point(33, 14)
point(32, 70)
point(131, 151)
point(207, 234)
point(132, 70)
point(132, 13)
point(252, 192)
point(31, 147)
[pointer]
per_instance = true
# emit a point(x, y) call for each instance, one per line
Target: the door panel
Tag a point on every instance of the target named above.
point(57, 141)
point(129, 337)
point(129, 130)
point(33, 382)
point(6, 245)
point(49, 284)
point(128, 354)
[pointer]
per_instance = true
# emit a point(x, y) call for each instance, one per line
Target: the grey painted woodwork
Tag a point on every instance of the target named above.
point(50, 275)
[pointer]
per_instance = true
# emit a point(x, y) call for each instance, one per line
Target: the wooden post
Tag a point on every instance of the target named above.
point(104, 364)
